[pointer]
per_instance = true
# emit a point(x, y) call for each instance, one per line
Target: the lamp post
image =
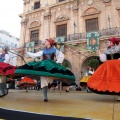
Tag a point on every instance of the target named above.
point(109, 21)
point(47, 3)
point(74, 27)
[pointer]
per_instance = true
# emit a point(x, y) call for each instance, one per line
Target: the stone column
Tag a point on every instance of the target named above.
point(22, 40)
point(47, 20)
point(23, 32)
point(76, 18)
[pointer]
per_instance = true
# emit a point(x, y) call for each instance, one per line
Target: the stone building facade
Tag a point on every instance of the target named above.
point(43, 19)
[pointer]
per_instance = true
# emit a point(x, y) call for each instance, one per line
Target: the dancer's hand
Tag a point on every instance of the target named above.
point(99, 52)
point(25, 51)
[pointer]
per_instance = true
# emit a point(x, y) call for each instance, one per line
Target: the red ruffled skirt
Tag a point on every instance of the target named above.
point(106, 79)
point(6, 69)
point(25, 82)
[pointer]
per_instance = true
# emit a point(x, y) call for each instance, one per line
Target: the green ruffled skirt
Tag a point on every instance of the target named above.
point(46, 68)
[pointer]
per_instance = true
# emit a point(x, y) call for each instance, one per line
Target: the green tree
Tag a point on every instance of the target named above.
point(94, 63)
point(66, 64)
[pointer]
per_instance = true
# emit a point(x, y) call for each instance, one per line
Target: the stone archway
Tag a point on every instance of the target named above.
point(85, 64)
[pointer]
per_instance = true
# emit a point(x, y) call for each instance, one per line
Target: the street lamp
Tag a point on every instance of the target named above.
point(109, 21)
point(74, 27)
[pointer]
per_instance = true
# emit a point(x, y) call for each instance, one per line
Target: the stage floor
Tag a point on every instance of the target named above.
point(79, 104)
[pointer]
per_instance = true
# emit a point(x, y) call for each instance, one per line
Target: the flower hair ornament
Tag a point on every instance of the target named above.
point(51, 41)
point(114, 40)
point(88, 67)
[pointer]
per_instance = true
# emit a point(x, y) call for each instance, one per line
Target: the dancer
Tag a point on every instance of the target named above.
point(106, 79)
point(47, 68)
point(4, 57)
point(66, 86)
point(84, 80)
point(53, 85)
point(90, 73)
point(26, 82)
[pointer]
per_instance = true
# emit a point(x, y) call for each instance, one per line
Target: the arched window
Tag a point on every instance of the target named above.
point(91, 16)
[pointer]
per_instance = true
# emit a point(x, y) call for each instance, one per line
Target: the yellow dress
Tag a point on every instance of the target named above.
point(85, 79)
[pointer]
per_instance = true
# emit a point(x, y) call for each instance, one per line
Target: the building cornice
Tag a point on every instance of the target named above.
point(118, 8)
point(61, 3)
point(48, 7)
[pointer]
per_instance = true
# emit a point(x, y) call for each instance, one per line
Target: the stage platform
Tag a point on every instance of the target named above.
point(77, 104)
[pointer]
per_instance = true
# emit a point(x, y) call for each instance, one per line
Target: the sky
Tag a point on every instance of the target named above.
point(9, 19)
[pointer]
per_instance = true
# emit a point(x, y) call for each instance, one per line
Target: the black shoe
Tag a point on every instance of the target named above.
point(6, 92)
point(67, 91)
point(118, 100)
point(45, 100)
point(2, 95)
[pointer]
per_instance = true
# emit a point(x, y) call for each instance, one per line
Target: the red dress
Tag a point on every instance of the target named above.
point(25, 82)
point(106, 79)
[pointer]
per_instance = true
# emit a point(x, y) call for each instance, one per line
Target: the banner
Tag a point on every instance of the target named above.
point(30, 47)
point(60, 43)
point(92, 41)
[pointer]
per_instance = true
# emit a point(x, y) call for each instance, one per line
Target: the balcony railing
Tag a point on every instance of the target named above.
point(102, 33)
point(76, 36)
point(110, 31)
point(82, 36)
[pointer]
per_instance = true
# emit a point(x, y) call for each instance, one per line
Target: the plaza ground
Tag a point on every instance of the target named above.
point(79, 104)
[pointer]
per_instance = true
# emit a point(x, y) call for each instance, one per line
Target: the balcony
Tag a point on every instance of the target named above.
point(105, 33)
point(109, 32)
point(77, 37)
